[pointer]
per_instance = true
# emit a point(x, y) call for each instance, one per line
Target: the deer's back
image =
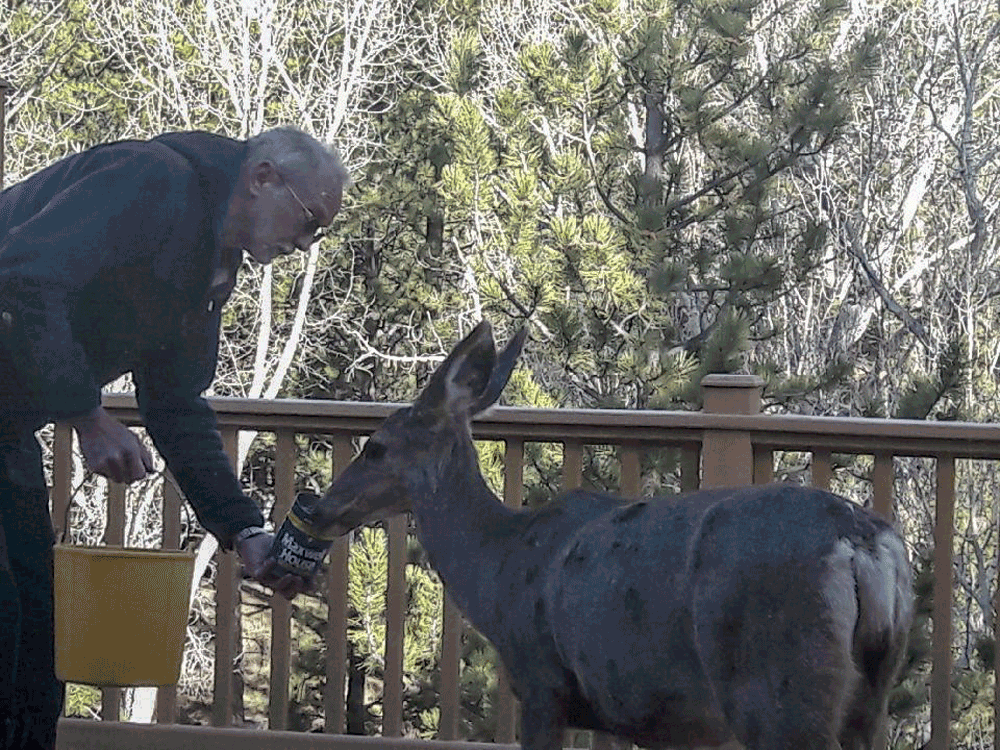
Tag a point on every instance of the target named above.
point(621, 592)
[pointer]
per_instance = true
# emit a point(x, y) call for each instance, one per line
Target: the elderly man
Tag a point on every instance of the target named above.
point(119, 259)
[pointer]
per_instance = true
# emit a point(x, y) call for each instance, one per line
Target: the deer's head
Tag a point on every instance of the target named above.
point(407, 452)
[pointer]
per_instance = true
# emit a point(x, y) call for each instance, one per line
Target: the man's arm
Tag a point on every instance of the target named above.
point(185, 431)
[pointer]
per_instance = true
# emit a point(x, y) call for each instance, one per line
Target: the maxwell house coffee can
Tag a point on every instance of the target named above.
point(298, 547)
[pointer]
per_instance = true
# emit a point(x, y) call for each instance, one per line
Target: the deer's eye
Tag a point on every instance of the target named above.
point(373, 451)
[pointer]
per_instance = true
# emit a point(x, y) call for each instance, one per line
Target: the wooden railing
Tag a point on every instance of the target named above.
point(728, 443)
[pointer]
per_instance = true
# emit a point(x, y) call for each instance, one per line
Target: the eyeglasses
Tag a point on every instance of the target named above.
point(318, 232)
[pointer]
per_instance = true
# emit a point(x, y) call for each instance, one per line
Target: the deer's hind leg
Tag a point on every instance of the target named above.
point(543, 721)
point(777, 656)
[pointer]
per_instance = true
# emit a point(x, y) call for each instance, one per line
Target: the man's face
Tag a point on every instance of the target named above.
point(288, 212)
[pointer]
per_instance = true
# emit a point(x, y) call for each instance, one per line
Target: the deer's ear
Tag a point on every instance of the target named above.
point(459, 382)
point(501, 372)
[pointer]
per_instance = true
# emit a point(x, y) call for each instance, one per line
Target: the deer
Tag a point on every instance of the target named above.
point(775, 616)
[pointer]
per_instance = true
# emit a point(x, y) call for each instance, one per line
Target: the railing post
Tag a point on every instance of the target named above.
point(726, 455)
point(513, 496)
point(996, 659)
point(4, 86)
point(944, 583)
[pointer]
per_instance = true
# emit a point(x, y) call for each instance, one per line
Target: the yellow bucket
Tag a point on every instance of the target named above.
point(120, 614)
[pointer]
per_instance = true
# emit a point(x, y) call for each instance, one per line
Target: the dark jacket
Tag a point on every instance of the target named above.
point(111, 262)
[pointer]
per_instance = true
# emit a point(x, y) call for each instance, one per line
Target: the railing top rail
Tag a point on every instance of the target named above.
point(846, 434)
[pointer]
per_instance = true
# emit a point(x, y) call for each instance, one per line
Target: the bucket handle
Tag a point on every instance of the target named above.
point(167, 477)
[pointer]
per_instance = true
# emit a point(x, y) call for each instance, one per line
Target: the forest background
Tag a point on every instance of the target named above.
point(805, 190)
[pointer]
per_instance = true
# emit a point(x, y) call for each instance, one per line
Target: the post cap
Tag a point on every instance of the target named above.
point(732, 394)
point(725, 380)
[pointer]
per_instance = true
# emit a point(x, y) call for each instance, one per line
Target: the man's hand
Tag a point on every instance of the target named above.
point(111, 449)
point(253, 553)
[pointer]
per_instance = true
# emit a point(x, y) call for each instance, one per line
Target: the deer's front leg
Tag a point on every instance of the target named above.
point(542, 723)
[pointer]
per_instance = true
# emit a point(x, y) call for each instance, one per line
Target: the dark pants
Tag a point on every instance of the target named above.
point(31, 697)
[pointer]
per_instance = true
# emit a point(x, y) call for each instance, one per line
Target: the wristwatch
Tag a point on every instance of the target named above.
point(247, 533)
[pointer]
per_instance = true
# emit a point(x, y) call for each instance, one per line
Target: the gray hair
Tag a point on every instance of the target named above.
point(291, 150)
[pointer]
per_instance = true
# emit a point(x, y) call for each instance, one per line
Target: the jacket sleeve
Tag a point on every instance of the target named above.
point(104, 219)
point(184, 429)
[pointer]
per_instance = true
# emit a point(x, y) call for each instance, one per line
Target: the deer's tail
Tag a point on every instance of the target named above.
point(885, 602)
point(883, 585)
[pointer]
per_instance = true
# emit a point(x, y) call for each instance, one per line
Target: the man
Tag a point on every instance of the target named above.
point(114, 260)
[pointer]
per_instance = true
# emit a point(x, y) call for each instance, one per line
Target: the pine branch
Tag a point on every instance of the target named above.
point(852, 244)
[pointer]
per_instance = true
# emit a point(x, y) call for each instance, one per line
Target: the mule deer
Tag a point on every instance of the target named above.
point(773, 615)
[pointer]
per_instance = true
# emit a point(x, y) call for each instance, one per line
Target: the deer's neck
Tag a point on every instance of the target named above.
point(464, 528)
